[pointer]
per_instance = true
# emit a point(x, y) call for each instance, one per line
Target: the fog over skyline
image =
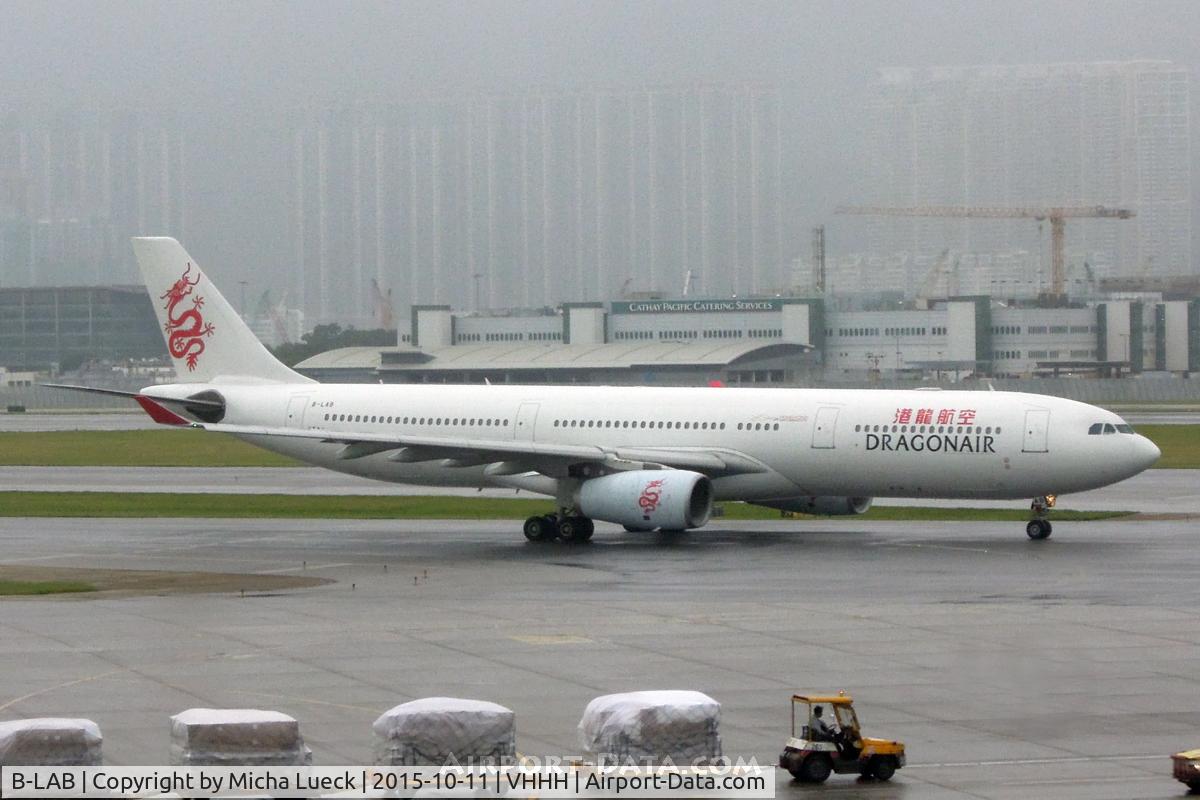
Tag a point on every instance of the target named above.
point(233, 71)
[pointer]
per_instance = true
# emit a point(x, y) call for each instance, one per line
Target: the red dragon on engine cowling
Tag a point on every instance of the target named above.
point(187, 328)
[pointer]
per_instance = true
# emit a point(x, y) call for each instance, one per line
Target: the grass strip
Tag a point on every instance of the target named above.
point(17, 588)
point(1180, 445)
point(282, 506)
point(168, 447)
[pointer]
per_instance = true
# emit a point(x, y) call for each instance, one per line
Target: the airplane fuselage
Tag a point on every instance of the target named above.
point(872, 443)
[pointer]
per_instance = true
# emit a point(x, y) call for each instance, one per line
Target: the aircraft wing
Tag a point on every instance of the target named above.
point(508, 455)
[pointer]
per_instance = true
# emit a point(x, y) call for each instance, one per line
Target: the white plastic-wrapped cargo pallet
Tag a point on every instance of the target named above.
point(434, 731)
point(656, 727)
point(50, 742)
point(237, 737)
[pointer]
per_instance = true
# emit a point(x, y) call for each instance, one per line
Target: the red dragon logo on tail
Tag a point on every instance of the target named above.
point(186, 329)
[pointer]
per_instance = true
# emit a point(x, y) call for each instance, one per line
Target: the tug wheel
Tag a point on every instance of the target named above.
point(816, 769)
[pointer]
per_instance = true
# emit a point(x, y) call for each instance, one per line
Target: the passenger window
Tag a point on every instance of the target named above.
point(1095, 429)
point(1109, 428)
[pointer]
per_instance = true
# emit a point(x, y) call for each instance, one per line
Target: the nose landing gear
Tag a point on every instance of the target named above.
point(1039, 527)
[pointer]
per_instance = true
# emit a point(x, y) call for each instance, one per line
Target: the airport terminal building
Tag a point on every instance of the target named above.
point(775, 341)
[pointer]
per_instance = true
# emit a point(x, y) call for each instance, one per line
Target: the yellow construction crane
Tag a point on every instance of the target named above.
point(1058, 216)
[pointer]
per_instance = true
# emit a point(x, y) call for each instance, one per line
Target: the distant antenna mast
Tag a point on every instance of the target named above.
point(818, 258)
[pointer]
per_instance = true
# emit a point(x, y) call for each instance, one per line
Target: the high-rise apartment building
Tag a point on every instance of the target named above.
point(74, 187)
point(529, 199)
point(1114, 134)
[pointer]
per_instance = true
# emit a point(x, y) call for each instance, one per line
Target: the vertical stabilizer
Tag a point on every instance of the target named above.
point(205, 336)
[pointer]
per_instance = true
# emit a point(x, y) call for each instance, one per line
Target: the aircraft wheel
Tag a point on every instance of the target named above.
point(1038, 529)
point(574, 530)
point(540, 529)
point(883, 768)
point(816, 769)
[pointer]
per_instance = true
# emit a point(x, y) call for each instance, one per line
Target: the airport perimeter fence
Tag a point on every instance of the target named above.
point(1088, 390)
point(40, 398)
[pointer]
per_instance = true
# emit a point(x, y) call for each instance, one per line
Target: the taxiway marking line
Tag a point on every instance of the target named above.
point(1027, 761)
point(29, 559)
point(305, 569)
point(88, 679)
point(309, 700)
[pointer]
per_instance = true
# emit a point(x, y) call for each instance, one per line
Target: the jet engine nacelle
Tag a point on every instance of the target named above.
point(666, 498)
point(822, 506)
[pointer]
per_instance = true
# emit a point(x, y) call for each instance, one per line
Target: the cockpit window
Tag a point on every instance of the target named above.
point(1107, 427)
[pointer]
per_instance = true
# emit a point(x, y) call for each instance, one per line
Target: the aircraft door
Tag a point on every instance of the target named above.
point(1037, 427)
point(295, 411)
point(526, 419)
point(824, 428)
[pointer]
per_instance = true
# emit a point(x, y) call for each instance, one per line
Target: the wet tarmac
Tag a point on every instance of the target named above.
point(1068, 668)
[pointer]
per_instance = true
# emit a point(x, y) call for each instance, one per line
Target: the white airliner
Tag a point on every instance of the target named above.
point(645, 458)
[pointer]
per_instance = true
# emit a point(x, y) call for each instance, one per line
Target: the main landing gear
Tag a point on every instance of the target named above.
point(566, 529)
point(1039, 527)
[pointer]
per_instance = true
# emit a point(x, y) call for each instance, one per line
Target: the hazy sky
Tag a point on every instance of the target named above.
point(269, 51)
point(239, 57)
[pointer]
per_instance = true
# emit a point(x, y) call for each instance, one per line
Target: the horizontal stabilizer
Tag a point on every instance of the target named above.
point(215, 405)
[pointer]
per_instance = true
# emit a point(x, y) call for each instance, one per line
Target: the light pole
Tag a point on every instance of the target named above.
point(243, 305)
point(873, 359)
